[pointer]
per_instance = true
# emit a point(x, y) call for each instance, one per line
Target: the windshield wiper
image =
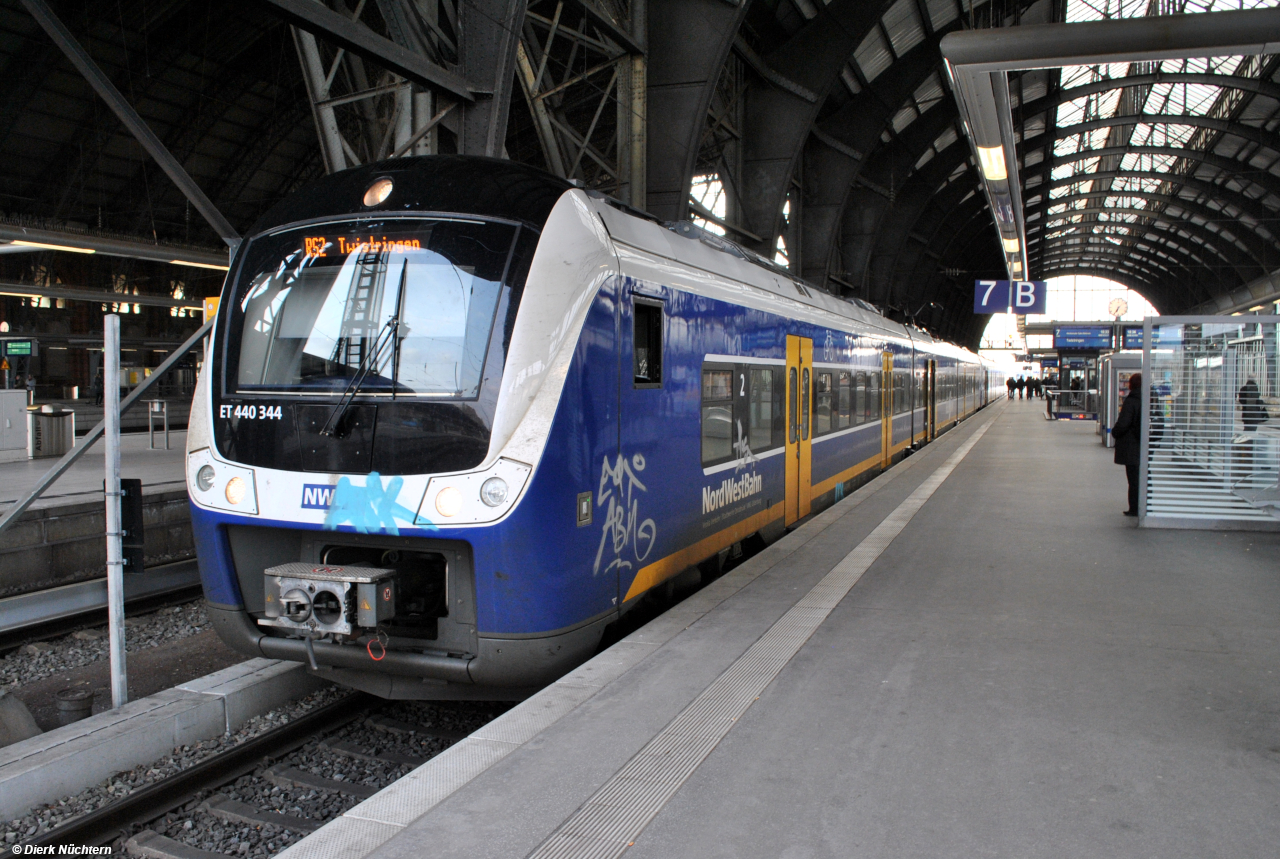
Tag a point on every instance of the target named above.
point(367, 363)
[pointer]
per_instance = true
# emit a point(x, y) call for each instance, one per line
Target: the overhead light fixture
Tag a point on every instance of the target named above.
point(1255, 308)
point(50, 247)
point(993, 166)
point(199, 264)
point(1011, 246)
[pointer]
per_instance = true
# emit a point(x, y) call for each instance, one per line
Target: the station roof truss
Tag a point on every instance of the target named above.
point(828, 134)
point(1136, 154)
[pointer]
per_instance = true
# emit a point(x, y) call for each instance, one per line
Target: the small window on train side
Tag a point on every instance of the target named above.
point(648, 345)
point(717, 415)
point(822, 406)
point(844, 394)
point(760, 418)
point(861, 412)
point(805, 406)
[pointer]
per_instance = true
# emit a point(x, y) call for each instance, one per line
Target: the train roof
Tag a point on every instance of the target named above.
point(462, 184)
point(690, 245)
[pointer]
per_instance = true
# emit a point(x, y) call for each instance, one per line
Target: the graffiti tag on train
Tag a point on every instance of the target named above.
point(623, 528)
point(369, 508)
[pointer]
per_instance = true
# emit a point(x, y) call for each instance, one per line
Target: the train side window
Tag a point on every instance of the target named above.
point(779, 406)
point(648, 344)
point(860, 411)
point(822, 407)
point(804, 404)
point(760, 412)
point(717, 415)
point(873, 396)
point(793, 391)
point(843, 399)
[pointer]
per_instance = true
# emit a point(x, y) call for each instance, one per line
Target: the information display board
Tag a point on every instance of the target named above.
point(1132, 338)
point(1048, 362)
point(17, 348)
point(1081, 337)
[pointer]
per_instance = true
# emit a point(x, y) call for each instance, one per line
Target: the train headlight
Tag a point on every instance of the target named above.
point(448, 501)
point(378, 191)
point(235, 490)
point(493, 491)
point(204, 478)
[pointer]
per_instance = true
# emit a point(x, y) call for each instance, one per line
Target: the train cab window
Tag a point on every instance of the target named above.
point(760, 413)
point(822, 392)
point(648, 345)
point(717, 415)
point(860, 409)
point(843, 400)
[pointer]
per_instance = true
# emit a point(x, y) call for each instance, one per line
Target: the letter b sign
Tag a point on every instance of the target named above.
point(1029, 296)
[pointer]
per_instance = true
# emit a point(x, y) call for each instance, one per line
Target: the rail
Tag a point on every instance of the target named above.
point(11, 515)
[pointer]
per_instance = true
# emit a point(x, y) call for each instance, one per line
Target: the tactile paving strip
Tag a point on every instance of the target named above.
point(608, 823)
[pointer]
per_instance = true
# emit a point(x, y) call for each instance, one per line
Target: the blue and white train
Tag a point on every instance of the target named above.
point(458, 415)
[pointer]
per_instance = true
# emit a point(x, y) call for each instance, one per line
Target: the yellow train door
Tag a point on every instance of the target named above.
point(799, 409)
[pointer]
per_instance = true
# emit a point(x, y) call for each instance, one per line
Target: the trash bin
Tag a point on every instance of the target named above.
point(51, 431)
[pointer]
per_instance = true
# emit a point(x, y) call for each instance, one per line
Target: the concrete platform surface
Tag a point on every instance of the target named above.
point(155, 468)
point(990, 661)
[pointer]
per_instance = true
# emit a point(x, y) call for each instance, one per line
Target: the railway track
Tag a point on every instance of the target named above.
point(255, 799)
point(57, 611)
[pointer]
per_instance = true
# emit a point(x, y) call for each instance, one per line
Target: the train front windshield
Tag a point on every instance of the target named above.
point(408, 305)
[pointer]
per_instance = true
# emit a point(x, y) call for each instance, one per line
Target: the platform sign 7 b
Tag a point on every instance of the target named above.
point(1010, 296)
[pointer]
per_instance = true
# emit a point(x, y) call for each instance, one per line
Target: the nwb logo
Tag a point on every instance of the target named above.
point(316, 496)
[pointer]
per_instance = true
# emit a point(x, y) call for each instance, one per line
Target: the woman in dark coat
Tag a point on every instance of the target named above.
point(1252, 411)
point(1128, 435)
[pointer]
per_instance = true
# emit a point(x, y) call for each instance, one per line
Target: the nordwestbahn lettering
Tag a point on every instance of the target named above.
point(730, 491)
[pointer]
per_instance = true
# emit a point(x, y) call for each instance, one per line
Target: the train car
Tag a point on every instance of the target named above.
point(457, 416)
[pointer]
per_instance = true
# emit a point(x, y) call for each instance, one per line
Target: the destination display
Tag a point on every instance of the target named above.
point(1048, 362)
point(1132, 338)
point(18, 348)
point(1081, 337)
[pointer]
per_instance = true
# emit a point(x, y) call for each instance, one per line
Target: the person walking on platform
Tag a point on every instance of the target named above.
point(1128, 435)
point(97, 388)
point(1010, 383)
point(1021, 385)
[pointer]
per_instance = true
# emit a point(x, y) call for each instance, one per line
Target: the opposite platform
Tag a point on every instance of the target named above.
point(1016, 670)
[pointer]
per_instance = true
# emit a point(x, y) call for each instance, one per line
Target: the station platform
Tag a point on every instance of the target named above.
point(59, 539)
point(976, 654)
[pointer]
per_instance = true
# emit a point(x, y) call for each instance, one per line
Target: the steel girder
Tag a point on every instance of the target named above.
point(689, 42)
point(867, 210)
point(1178, 264)
point(778, 119)
point(1246, 206)
point(1245, 266)
point(1262, 178)
point(1254, 85)
point(835, 154)
point(899, 160)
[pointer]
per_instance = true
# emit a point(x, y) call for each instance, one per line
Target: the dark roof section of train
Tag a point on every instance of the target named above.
point(485, 187)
